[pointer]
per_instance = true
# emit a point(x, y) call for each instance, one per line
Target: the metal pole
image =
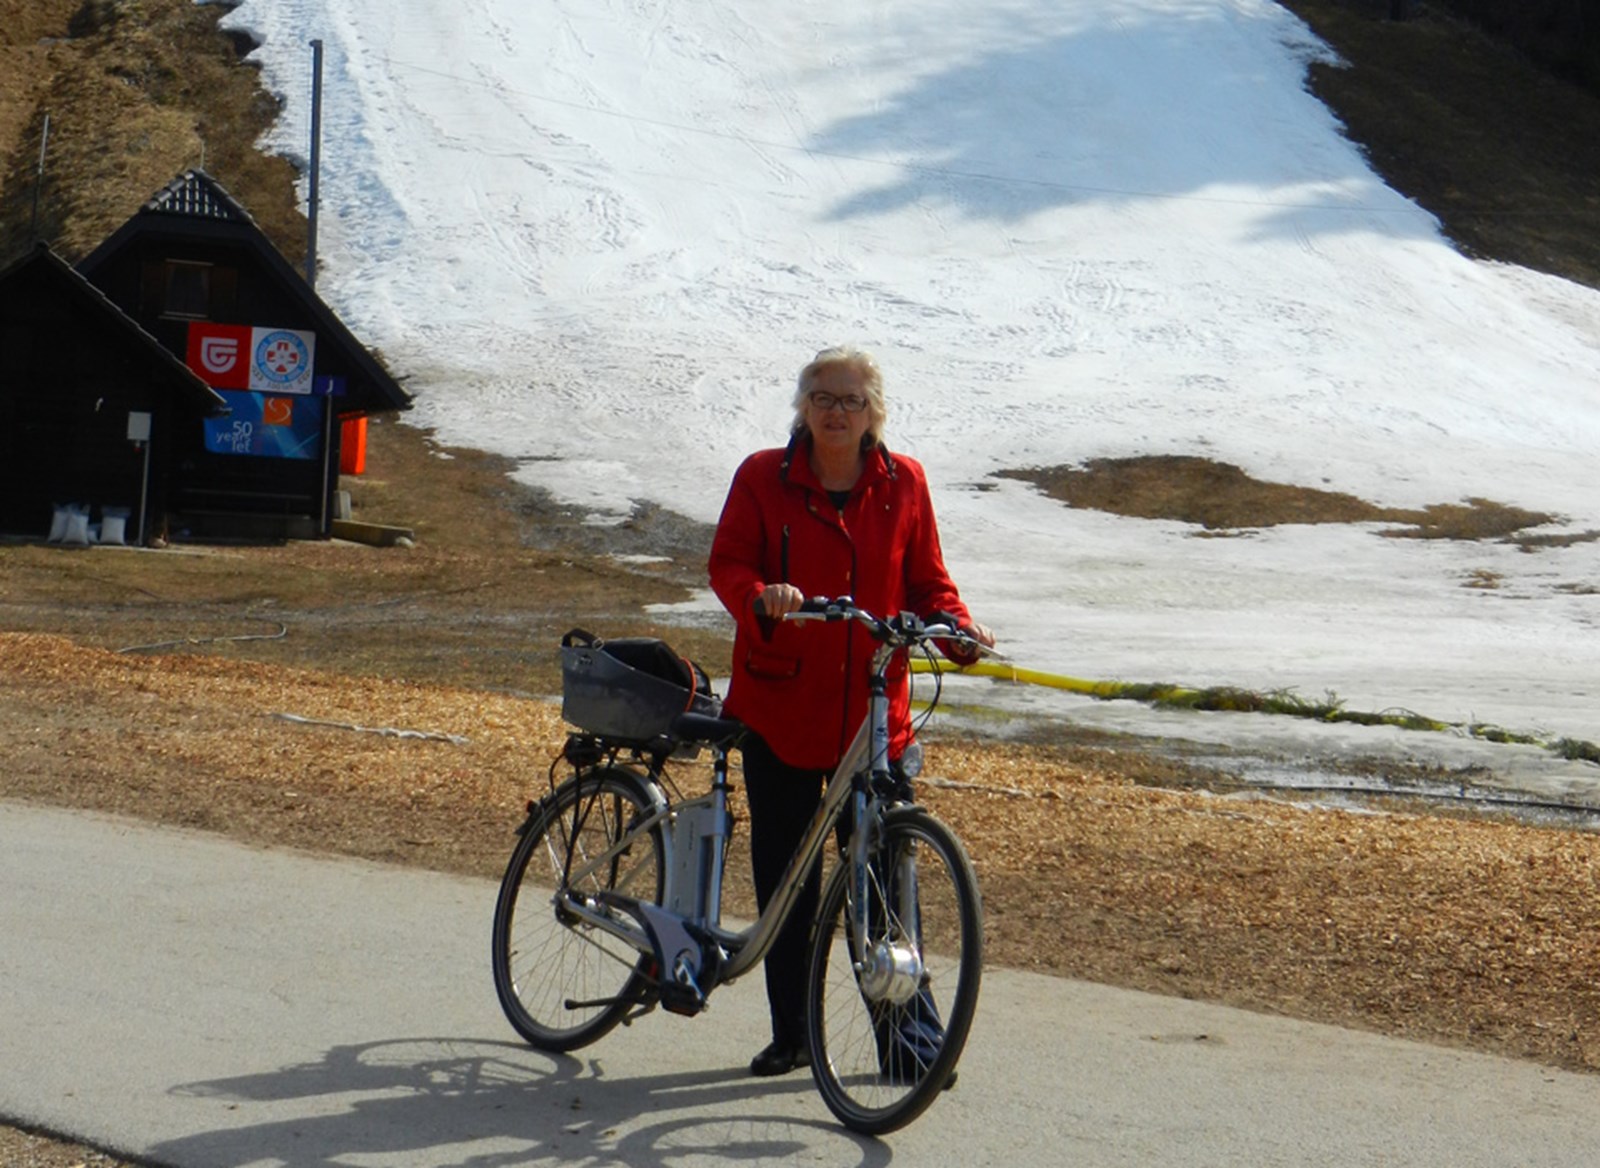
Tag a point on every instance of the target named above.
point(313, 197)
point(139, 433)
point(38, 179)
point(144, 492)
point(316, 162)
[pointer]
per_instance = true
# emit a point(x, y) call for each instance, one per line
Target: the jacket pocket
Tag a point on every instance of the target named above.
point(768, 666)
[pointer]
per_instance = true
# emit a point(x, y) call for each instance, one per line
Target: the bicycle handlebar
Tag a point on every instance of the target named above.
point(905, 629)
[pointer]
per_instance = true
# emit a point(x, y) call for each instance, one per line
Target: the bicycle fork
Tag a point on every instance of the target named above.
point(888, 960)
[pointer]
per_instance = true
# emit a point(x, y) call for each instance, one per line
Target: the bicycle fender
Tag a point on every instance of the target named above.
point(648, 789)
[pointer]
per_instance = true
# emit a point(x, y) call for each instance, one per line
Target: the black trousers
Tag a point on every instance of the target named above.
point(782, 801)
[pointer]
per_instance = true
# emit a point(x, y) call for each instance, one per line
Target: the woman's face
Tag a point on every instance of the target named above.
point(835, 428)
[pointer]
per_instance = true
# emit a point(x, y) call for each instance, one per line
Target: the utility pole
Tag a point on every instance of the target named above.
point(316, 162)
point(330, 465)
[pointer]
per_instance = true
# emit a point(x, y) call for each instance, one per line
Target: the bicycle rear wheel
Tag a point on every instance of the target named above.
point(885, 1037)
point(561, 982)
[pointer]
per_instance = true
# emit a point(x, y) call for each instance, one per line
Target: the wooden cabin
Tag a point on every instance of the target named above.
point(192, 271)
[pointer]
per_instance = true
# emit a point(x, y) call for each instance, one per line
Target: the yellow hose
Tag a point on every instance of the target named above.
point(1226, 698)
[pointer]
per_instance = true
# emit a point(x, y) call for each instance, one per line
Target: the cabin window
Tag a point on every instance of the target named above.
point(188, 290)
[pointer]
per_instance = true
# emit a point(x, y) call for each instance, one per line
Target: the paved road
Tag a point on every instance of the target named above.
point(200, 1003)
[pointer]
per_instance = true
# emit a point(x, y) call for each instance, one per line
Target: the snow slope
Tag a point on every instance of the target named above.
point(602, 237)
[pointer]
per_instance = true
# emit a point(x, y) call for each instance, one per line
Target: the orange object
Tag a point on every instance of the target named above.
point(277, 411)
point(353, 446)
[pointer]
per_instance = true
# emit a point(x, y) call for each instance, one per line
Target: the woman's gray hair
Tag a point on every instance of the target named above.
point(871, 386)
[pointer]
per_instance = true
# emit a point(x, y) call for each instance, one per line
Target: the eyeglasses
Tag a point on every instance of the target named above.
point(850, 403)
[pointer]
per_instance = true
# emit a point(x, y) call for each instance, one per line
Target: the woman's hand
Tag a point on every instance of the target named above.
point(965, 654)
point(778, 600)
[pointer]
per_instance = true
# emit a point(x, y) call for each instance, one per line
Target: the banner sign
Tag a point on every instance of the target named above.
point(267, 426)
point(236, 356)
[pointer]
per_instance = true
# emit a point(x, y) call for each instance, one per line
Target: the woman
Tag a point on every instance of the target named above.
point(832, 514)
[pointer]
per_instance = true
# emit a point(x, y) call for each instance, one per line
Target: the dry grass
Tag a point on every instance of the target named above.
point(132, 100)
point(1507, 156)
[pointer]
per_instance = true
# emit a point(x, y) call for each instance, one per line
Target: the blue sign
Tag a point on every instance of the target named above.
point(267, 425)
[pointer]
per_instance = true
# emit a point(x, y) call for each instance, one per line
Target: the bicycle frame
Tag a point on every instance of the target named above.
point(690, 914)
point(635, 922)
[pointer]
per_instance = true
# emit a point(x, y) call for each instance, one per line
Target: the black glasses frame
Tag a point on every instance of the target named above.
point(850, 403)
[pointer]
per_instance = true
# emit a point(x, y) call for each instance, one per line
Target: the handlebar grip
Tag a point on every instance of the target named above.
point(810, 606)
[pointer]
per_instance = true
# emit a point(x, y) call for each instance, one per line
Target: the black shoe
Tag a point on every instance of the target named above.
point(778, 1059)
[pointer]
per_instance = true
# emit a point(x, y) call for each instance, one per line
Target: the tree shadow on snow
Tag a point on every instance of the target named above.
point(1177, 106)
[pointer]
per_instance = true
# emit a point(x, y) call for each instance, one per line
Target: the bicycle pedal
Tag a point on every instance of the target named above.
point(685, 1001)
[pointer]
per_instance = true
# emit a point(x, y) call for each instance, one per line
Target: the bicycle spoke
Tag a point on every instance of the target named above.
point(562, 981)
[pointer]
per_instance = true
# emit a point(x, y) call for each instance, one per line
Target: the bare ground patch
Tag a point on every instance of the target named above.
point(1221, 498)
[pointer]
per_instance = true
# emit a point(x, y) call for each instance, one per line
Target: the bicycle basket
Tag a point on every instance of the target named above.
point(629, 688)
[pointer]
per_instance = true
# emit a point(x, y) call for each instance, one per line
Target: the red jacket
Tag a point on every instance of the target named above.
point(802, 685)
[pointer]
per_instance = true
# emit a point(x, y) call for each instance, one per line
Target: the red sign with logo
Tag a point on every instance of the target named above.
point(220, 354)
point(268, 360)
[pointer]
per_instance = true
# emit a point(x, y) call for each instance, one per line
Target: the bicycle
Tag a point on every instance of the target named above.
point(611, 903)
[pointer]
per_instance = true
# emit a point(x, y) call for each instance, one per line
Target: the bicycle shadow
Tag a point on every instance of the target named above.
point(445, 1102)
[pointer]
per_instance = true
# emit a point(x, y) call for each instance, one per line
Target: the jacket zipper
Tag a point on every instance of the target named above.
point(838, 525)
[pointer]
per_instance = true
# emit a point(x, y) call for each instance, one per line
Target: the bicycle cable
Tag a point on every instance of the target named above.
point(921, 719)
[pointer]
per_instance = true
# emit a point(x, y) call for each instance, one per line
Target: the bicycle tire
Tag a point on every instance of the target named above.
point(871, 1078)
point(563, 984)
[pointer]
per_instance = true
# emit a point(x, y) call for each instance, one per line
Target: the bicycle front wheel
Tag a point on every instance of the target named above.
point(562, 982)
point(885, 1032)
